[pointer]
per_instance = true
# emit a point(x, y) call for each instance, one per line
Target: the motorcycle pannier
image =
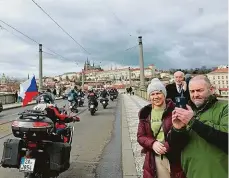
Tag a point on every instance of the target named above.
point(59, 154)
point(11, 153)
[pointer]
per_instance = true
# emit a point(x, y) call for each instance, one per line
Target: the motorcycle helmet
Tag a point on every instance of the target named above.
point(40, 107)
point(46, 98)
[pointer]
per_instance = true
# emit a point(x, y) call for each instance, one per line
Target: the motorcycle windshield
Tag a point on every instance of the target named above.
point(70, 98)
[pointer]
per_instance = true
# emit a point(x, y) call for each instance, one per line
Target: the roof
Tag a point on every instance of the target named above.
point(224, 89)
point(69, 73)
point(222, 70)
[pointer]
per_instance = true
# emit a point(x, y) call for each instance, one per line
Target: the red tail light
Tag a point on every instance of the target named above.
point(32, 145)
point(15, 124)
point(40, 124)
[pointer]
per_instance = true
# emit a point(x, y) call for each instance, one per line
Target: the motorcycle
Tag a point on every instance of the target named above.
point(112, 97)
point(80, 101)
point(73, 106)
point(115, 96)
point(92, 107)
point(40, 152)
point(104, 102)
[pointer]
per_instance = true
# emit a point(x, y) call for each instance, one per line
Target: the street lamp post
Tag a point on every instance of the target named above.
point(82, 80)
point(141, 63)
point(130, 77)
point(40, 68)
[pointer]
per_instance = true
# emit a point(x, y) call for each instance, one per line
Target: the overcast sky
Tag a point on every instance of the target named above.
point(177, 33)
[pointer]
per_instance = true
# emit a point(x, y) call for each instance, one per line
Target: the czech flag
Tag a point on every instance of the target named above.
point(28, 90)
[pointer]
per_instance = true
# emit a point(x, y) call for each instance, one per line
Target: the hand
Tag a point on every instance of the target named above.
point(178, 124)
point(184, 115)
point(184, 85)
point(159, 148)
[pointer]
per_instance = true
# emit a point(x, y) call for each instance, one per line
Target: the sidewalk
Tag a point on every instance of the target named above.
point(132, 159)
point(18, 105)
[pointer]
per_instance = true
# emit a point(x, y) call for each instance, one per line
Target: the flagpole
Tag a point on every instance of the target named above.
point(40, 68)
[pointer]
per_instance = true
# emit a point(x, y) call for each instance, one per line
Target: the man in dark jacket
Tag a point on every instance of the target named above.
point(92, 97)
point(178, 88)
point(104, 93)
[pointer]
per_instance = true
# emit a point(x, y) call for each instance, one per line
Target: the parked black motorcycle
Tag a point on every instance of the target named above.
point(40, 152)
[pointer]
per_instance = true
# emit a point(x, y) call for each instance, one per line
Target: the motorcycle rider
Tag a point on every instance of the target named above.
point(80, 93)
point(72, 96)
point(54, 114)
point(80, 97)
point(92, 97)
point(112, 92)
point(104, 93)
point(47, 96)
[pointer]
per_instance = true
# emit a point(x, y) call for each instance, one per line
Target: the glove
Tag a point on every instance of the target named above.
point(76, 119)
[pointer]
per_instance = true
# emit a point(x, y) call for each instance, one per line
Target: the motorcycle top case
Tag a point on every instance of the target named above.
point(11, 153)
point(32, 129)
point(59, 154)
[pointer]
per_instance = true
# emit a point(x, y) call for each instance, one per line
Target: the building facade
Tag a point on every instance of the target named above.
point(219, 79)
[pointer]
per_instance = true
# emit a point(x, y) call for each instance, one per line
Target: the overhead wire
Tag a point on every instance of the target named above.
point(1, 27)
point(60, 27)
point(131, 48)
point(56, 54)
point(19, 32)
point(119, 20)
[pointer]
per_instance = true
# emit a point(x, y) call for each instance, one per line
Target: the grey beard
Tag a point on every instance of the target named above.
point(202, 104)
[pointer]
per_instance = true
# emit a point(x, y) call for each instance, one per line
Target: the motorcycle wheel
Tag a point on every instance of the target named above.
point(92, 112)
point(104, 106)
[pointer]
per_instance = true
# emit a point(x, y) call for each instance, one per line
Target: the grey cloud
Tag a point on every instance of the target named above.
point(175, 33)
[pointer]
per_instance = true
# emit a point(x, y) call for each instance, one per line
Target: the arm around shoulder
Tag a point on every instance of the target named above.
point(178, 138)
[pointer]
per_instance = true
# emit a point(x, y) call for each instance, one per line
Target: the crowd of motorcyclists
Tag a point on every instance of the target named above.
point(76, 98)
point(46, 101)
point(46, 135)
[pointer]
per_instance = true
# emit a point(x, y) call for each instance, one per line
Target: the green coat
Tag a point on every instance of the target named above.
point(204, 148)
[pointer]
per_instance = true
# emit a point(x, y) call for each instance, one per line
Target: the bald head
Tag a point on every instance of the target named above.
point(178, 73)
point(200, 89)
point(178, 77)
point(201, 78)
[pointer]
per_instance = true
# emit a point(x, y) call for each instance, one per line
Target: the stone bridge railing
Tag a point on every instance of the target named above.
point(7, 98)
point(143, 94)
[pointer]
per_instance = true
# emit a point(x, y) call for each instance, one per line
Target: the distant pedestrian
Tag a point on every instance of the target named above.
point(127, 90)
point(130, 90)
point(16, 97)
